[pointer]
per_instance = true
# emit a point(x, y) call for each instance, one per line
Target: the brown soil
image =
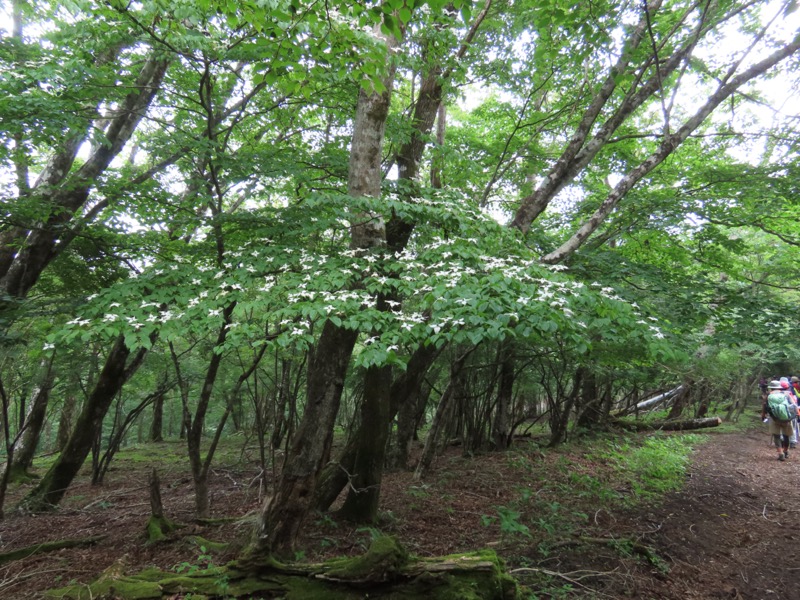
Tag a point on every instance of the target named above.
point(729, 534)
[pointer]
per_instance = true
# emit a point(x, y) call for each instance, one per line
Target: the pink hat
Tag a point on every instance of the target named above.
point(785, 385)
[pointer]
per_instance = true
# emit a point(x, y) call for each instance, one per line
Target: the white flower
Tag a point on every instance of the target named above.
point(48, 346)
point(110, 317)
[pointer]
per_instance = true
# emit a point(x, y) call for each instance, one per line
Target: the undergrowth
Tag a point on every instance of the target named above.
point(568, 488)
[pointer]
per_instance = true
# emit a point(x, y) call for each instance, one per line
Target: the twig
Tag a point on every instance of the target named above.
point(565, 576)
point(475, 495)
point(20, 577)
point(764, 514)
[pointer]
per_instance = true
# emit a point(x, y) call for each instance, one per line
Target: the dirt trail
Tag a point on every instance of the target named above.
point(725, 533)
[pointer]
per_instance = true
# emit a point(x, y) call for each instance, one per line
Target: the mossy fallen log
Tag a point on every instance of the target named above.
point(384, 571)
point(682, 425)
point(13, 555)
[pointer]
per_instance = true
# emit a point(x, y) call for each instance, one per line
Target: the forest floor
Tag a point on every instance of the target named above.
point(728, 533)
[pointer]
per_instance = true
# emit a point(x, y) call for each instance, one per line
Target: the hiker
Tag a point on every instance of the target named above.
point(781, 412)
point(788, 389)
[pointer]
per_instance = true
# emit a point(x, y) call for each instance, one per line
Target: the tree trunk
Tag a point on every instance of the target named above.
point(408, 418)
point(65, 421)
point(501, 427)
point(669, 144)
point(439, 420)
point(283, 513)
point(590, 412)
point(361, 504)
point(561, 410)
point(157, 424)
point(45, 242)
point(385, 571)
point(54, 484)
point(25, 448)
point(681, 400)
point(684, 425)
point(405, 391)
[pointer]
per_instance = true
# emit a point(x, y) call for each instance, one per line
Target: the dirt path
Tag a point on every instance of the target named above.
point(725, 532)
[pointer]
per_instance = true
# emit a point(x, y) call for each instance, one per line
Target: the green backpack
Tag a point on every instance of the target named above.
point(780, 407)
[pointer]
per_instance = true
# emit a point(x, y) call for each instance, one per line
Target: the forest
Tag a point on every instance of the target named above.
point(353, 234)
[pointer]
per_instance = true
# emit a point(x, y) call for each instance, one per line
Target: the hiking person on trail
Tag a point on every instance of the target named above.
point(781, 412)
point(790, 393)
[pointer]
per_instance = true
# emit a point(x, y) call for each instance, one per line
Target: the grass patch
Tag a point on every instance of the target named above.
point(652, 468)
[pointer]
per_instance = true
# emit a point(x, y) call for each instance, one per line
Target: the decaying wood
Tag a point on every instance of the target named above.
point(385, 571)
point(682, 425)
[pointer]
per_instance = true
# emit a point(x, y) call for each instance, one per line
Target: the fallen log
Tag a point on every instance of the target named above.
point(385, 571)
point(652, 403)
point(13, 555)
point(682, 425)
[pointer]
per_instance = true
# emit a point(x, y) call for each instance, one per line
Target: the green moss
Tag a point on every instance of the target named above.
point(128, 588)
point(158, 528)
point(385, 571)
point(382, 562)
